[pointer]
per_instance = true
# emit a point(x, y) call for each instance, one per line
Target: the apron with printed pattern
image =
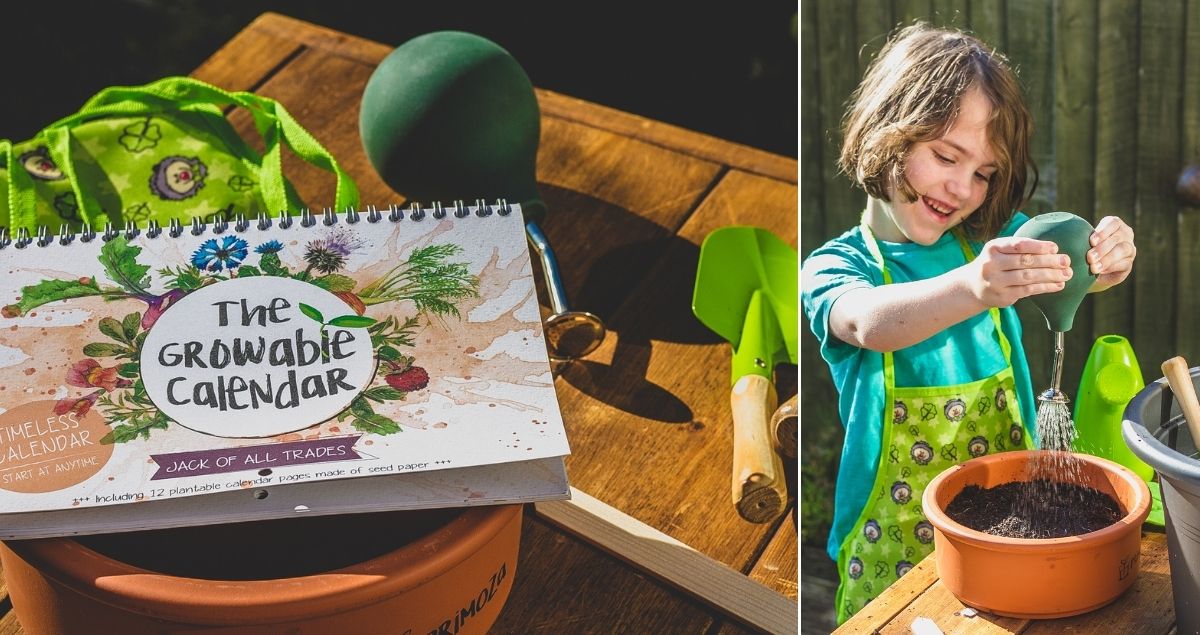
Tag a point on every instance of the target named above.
point(926, 430)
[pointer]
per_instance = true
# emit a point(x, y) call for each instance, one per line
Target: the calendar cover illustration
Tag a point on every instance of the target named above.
point(151, 365)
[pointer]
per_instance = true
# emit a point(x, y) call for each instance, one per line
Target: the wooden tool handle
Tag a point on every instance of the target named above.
point(785, 426)
point(759, 490)
point(1180, 378)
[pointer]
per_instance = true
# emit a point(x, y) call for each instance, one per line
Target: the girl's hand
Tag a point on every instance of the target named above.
point(1011, 268)
point(1112, 253)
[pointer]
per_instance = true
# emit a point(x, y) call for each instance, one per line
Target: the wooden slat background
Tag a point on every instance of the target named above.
point(1107, 82)
point(1114, 86)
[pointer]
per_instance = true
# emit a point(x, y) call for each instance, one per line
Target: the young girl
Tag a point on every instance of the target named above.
point(913, 306)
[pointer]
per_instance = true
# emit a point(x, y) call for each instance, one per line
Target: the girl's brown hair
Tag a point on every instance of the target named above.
point(912, 93)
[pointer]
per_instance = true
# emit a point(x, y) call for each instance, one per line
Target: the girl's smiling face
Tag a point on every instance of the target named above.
point(949, 174)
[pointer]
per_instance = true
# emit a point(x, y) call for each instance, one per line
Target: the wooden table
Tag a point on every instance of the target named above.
point(1146, 608)
point(647, 414)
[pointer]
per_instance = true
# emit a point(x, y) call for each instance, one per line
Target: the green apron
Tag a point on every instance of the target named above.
point(926, 429)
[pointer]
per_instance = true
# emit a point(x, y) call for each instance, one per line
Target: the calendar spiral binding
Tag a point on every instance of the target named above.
point(414, 211)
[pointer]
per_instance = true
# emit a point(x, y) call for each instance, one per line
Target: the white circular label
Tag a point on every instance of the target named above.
point(255, 357)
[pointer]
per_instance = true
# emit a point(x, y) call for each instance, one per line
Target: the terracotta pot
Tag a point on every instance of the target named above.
point(453, 576)
point(1037, 578)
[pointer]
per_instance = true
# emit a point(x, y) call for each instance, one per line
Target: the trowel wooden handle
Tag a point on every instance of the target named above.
point(759, 490)
point(1177, 374)
point(785, 426)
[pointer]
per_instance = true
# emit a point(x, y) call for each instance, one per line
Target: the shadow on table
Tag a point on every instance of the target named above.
point(607, 256)
point(657, 309)
point(638, 276)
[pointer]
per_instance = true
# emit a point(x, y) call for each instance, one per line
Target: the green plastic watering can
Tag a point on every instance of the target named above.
point(451, 115)
point(746, 291)
point(1111, 377)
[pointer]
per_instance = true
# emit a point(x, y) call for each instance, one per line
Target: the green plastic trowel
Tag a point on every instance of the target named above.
point(746, 291)
point(451, 115)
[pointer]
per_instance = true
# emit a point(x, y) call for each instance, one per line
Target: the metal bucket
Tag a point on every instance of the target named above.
point(1154, 428)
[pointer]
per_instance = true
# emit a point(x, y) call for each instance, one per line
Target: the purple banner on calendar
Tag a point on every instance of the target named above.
point(254, 457)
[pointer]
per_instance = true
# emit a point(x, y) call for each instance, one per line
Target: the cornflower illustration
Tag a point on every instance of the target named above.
point(215, 253)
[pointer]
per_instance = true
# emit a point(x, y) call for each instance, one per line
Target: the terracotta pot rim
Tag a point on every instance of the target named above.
point(238, 601)
point(1137, 514)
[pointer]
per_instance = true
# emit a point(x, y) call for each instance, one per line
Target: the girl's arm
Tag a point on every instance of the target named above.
point(894, 316)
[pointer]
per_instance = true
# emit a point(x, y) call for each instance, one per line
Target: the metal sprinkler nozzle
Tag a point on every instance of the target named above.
point(1054, 394)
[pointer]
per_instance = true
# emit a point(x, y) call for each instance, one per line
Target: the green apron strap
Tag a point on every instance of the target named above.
point(873, 247)
point(969, 252)
point(889, 361)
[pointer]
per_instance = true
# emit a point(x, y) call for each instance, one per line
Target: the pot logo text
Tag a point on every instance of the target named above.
point(453, 624)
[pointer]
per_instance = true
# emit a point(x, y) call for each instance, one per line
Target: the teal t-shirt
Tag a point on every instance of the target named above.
point(965, 352)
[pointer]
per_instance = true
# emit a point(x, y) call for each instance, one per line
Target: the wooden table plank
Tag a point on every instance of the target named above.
point(321, 38)
point(892, 601)
point(729, 628)
point(651, 551)
point(939, 605)
point(246, 60)
point(699, 145)
point(9, 625)
point(658, 185)
point(777, 567)
point(551, 596)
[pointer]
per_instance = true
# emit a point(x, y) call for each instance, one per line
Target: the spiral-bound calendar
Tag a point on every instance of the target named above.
point(305, 364)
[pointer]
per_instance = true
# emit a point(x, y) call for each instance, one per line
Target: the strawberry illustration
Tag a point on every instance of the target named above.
point(413, 378)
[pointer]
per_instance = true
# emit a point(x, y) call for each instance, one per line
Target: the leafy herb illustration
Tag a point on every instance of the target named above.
point(111, 369)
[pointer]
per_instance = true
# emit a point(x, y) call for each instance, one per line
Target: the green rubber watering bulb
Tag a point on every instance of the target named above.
point(1072, 234)
point(451, 115)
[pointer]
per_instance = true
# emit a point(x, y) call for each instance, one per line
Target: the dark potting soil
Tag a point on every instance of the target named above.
point(270, 549)
point(1034, 509)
